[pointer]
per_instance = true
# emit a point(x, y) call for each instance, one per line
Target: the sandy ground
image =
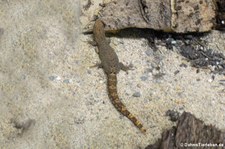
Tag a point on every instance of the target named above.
point(50, 97)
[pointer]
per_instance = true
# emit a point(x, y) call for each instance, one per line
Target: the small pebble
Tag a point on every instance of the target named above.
point(89, 71)
point(210, 80)
point(101, 81)
point(174, 115)
point(183, 65)
point(173, 42)
point(176, 72)
point(149, 52)
point(23, 125)
point(155, 72)
point(137, 94)
point(154, 65)
point(198, 70)
point(54, 78)
point(213, 77)
point(169, 40)
point(58, 78)
point(67, 81)
point(144, 78)
point(148, 70)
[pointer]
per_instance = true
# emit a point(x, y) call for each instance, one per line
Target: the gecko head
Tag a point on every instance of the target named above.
point(99, 33)
point(99, 23)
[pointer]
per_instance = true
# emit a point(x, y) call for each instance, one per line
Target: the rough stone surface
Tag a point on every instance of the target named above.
point(193, 15)
point(157, 13)
point(122, 14)
point(180, 16)
point(190, 132)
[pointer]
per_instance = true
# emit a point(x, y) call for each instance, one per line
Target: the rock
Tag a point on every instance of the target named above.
point(180, 16)
point(190, 132)
point(137, 94)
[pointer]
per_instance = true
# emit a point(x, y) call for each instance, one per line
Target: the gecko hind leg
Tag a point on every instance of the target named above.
point(125, 68)
point(98, 65)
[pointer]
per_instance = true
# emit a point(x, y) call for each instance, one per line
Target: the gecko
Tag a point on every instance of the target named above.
point(111, 66)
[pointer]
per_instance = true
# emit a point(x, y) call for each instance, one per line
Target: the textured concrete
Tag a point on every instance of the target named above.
point(50, 97)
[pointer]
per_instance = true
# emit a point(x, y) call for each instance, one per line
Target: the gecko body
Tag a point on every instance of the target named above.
point(111, 66)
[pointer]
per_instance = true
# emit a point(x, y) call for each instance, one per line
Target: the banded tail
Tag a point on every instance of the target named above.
point(113, 95)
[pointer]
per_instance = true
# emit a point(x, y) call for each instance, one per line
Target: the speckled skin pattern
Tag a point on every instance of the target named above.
point(111, 66)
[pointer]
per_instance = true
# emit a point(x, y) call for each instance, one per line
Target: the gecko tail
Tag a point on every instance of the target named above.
point(112, 89)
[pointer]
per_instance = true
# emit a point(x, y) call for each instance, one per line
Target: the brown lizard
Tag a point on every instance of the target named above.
point(111, 66)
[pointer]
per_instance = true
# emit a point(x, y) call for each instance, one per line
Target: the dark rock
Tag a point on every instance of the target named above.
point(190, 132)
point(137, 94)
point(176, 72)
point(174, 115)
point(203, 58)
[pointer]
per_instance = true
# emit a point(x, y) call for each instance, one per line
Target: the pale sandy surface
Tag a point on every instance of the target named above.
point(51, 98)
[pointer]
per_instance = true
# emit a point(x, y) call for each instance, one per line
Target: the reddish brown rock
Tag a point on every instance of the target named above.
point(168, 15)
